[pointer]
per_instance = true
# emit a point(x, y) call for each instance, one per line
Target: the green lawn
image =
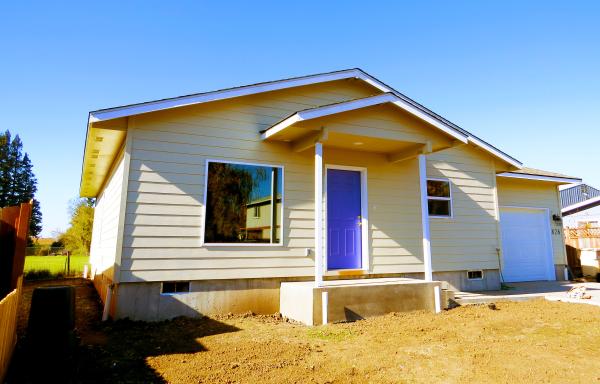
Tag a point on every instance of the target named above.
point(53, 266)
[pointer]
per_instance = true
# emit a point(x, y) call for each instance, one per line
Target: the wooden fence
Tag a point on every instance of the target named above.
point(584, 237)
point(8, 328)
point(14, 224)
point(577, 239)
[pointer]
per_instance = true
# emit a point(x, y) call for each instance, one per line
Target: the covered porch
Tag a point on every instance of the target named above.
point(343, 137)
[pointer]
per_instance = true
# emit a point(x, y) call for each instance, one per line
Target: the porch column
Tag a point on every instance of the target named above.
point(318, 214)
point(425, 218)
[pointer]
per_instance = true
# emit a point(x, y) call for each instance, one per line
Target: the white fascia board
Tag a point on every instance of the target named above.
point(538, 177)
point(592, 201)
point(327, 110)
point(495, 152)
point(152, 106)
point(436, 123)
point(358, 104)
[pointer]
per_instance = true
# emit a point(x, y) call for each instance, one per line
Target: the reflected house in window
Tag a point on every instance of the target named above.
point(239, 203)
point(258, 219)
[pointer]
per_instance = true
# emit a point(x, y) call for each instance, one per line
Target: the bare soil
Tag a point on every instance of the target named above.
point(534, 341)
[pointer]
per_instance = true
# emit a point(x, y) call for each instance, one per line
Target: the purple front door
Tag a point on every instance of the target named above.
point(344, 234)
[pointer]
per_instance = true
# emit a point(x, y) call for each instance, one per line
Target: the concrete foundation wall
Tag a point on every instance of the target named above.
point(144, 301)
point(359, 302)
point(560, 272)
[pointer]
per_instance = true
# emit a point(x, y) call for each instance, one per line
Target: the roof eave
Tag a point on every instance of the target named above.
point(553, 179)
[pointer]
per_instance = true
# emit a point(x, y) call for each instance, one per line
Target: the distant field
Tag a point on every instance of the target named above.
point(53, 266)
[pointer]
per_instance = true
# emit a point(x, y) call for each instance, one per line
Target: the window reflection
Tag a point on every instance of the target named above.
point(239, 203)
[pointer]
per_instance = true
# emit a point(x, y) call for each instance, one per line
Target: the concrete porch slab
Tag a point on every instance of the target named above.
point(355, 299)
point(551, 290)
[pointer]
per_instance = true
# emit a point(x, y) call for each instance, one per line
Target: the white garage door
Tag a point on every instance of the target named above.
point(526, 245)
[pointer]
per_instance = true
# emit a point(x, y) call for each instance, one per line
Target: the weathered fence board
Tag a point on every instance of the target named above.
point(14, 224)
point(8, 328)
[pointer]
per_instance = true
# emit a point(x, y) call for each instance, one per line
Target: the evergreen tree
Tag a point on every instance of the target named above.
point(18, 184)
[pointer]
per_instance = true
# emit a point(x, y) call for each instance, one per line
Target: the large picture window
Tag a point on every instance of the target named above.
point(243, 204)
point(439, 198)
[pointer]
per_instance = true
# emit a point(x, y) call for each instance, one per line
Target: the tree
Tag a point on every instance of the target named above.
point(18, 183)
point(78, 237)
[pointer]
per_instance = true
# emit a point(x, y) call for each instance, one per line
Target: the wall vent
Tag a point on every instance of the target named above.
point(475, 275)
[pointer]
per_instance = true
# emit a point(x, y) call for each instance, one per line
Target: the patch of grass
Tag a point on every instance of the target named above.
point(46, 267)
point(330, 334)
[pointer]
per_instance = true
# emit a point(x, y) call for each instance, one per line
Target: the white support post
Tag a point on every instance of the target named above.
point(318, 214)
point(437, 292)
point(425, 218)
point(325, 306)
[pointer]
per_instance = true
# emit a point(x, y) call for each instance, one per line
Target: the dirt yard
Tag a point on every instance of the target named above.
point(535, 341)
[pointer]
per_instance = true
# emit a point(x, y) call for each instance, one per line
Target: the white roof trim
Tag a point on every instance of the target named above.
point(496, 152)
point(391, 98)
point(136, 109)
point(152, 106)
point(593, 201)
point(539, 177)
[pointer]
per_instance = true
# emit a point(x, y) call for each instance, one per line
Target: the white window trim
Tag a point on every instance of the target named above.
point(237, 245)
point(364, 212)
point(451, 216)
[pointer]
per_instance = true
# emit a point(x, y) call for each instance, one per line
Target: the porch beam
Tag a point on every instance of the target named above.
point(310, 140)
point(318, 214)
point(410, 153)
point(425, 218)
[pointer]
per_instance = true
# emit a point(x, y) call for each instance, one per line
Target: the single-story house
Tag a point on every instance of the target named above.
point(369, 184)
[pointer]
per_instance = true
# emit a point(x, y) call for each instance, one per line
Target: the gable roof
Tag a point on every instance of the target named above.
point(346, 106)
point(540, 175)
point(198, 98)
point(116, 113)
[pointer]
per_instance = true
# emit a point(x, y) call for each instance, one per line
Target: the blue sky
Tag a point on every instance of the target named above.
point(524, 76)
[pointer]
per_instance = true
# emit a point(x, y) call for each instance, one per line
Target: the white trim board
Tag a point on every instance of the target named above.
point(364, 212)
point(594, 201)
point(524, 176)
point(152, 106)
point(331, 109)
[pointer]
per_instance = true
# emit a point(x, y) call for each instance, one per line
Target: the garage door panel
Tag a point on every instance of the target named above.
point(527, 253)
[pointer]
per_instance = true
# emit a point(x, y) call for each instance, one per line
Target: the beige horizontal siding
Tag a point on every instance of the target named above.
point(165, 194)
point(163, 223)
point(539, 194)
point(469, 239)
point(106, 222)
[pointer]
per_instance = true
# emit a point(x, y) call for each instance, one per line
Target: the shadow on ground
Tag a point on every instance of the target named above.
point(113, 352)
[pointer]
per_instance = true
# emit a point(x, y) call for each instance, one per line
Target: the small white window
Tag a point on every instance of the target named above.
point(257, 211)
point(439, 198)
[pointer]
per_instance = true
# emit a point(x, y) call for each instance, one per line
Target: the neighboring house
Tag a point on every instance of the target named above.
point(370, 184)
point(580, 206)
